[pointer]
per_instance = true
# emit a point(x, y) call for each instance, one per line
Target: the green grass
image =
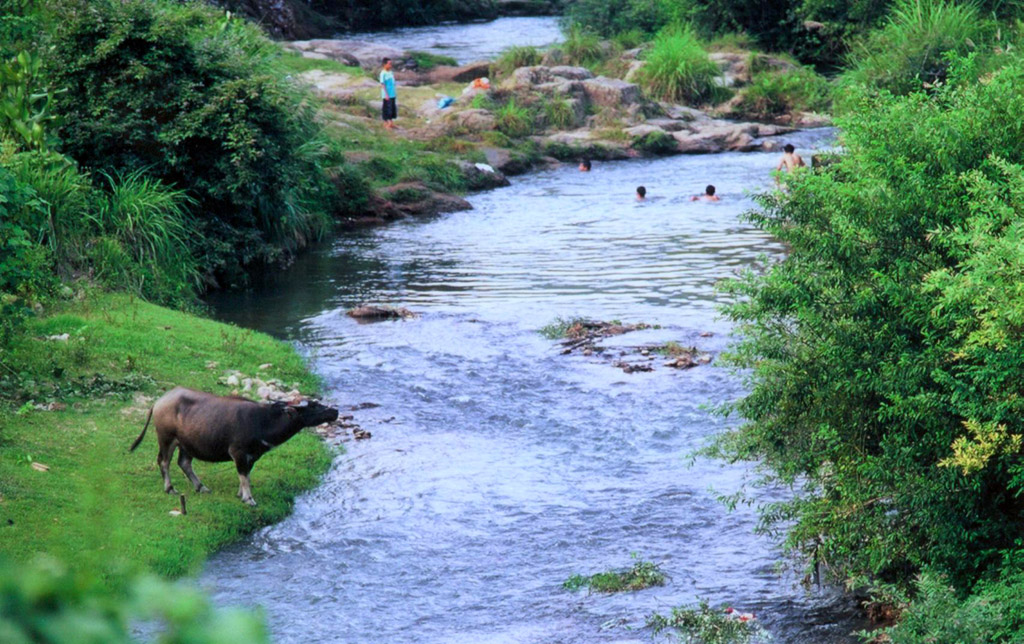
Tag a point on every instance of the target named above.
point(98, 505)
point(515, 57)
point(643, 574)
point(425, 61)
point(296, 63)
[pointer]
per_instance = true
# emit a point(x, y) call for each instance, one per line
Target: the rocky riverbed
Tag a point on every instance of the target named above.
point(599, 117)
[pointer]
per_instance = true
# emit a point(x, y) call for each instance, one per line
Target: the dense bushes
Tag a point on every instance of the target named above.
point(885, 349)
point(912, 49)
point(193, 99)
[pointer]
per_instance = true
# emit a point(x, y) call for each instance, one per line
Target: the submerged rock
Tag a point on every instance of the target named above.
point(374, 312)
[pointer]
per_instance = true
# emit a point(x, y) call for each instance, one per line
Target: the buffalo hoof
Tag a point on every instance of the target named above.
point(203, 489)
point(250, 501)
point(171, 490)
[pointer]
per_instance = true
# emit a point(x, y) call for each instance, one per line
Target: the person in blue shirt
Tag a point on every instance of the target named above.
point(389, 102)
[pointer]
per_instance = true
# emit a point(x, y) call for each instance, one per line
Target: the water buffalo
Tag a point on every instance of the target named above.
point(224, 428)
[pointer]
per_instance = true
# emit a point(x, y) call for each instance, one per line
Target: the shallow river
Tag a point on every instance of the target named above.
point(499, 467)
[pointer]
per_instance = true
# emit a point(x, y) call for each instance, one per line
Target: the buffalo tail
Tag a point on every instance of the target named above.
point(144, 428)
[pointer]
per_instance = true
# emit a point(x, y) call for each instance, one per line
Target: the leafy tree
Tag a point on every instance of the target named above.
point(885, 351)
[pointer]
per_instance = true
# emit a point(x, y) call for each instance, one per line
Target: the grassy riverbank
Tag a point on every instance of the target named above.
point(99, 506)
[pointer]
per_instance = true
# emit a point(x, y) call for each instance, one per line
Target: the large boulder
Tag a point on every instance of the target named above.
point(482, 176)
point(611, 92)
point(506, 161)
point(474, 120)
point(414, 198)
point(462, 74)
point(570, 73)
point(527, 78)
point(332, 86)
point(718, 137)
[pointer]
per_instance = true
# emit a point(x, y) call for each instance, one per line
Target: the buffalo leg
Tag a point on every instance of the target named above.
point(163, 459)
point(185, 463)
point(243, 463)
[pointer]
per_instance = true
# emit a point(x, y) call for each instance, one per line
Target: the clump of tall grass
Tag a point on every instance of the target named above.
point(581, 46)
point(558, 114)
point(515, 57)
point(678, 69)
point(144, 222)
point(514, 120)
point(912, 50)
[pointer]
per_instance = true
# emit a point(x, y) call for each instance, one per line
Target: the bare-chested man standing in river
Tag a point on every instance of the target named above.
point(790, 159)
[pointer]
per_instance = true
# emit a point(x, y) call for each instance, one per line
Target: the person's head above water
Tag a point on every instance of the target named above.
point(789, 149)
point(710, 190)
point(585, 165)
point(641, 193)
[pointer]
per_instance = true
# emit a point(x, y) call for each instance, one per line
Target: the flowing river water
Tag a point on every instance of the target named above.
point(499, 467)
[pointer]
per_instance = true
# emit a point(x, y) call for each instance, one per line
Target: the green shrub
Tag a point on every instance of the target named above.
point(68, 200)
point(24, 262)
point(678, 68)
point(43, 602)
point(514, 121)
point(25, 102)
point(198, 101)
point(608, 18)
point(910, 51)
point(885, 371)
point(990, 614)
point(772, 94)
point(515, 57)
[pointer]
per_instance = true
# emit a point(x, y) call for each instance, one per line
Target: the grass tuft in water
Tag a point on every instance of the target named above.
point(708, 625)
point(643, 574)
point(559, 328)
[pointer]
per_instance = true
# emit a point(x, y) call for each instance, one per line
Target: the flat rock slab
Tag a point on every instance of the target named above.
point(367, 55)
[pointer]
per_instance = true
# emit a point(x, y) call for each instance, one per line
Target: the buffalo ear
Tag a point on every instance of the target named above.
point(291, 411)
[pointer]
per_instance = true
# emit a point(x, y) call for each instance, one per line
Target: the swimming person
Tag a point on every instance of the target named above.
point(389, 101)
point(709, 195)
point(641, 193)
point(584, 165)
